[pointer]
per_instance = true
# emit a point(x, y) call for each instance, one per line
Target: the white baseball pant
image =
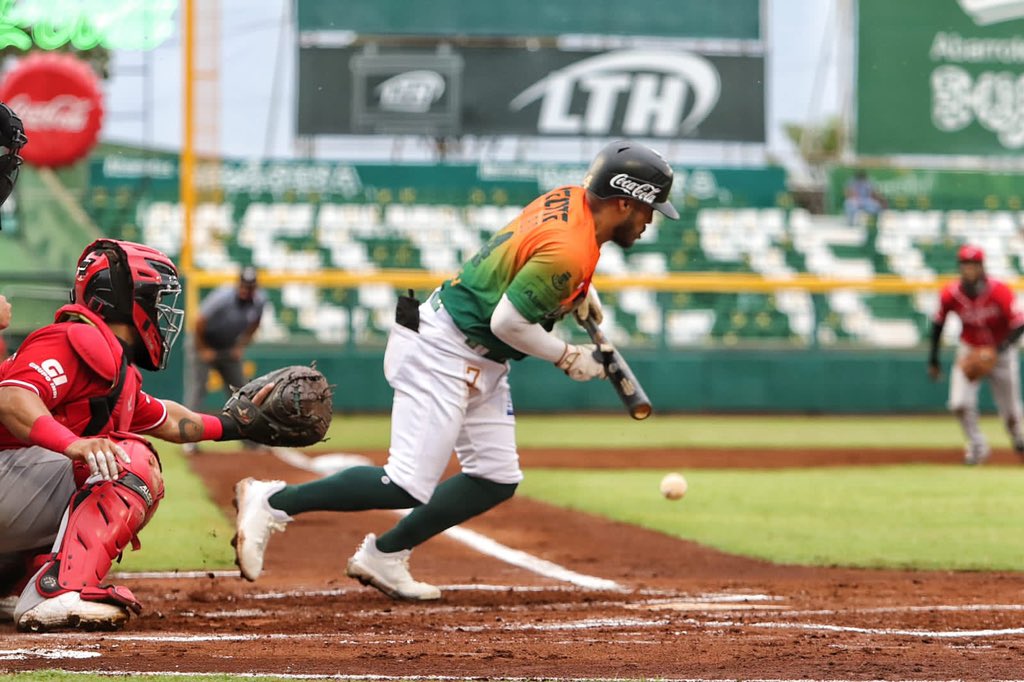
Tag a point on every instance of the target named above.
point(447, 397)
point(1005, 383)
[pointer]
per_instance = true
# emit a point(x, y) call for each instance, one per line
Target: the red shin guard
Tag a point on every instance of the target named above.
point(102, 520)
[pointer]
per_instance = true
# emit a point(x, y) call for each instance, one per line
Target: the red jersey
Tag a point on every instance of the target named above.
point(49, 364)
point(987, 319)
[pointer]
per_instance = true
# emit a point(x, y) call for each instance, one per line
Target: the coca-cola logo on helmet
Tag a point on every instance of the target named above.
point(644, 191)
point(59, 100)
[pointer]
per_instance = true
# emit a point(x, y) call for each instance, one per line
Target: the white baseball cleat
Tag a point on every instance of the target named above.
point(388, 572)
point(69, 610)
point(255, 520)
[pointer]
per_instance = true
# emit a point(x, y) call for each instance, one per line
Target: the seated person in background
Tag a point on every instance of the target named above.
point(861, 195)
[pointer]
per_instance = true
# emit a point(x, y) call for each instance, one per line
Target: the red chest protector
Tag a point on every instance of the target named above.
point(103, 353)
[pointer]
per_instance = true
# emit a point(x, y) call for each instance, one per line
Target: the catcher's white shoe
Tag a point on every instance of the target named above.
point(255, 520)
point(69, 610)
point(388, 572)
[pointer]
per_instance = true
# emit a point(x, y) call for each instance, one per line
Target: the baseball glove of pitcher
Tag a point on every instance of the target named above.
point(979, 362)
point(295, 413)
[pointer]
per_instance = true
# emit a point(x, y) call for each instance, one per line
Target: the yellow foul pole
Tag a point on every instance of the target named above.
point(188, 158)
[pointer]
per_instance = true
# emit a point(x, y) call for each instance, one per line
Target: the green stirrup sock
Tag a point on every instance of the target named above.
point(353, 489)
point(459, 498)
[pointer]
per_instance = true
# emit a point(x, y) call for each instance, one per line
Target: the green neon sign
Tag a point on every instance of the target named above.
point(85, 24)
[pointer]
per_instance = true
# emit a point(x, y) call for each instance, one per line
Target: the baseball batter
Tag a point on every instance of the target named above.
point(986, 308)
point(448, 362)
point(71, 399)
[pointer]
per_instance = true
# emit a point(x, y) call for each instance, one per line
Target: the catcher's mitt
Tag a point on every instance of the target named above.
point(979, 362)
point(295, 413)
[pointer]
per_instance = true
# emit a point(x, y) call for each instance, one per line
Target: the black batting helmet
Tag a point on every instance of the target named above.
point(628, 169)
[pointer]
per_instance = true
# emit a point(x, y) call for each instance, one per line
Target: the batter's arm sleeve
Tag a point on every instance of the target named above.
point(19, 409)
point(509, 325)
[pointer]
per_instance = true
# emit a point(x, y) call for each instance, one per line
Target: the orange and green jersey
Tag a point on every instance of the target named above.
point(543, 260)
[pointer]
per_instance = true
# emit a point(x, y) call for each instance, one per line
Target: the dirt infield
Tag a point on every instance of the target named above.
point(680, 610)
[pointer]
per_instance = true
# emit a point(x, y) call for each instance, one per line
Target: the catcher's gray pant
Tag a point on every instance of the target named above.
point(230, 371)
point(1005, 383)
point(35, 487)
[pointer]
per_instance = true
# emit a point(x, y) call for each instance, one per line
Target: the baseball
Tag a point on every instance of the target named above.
point(673, 486)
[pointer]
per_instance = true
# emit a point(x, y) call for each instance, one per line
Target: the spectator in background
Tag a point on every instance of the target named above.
point(228, 318)
point(861, 196)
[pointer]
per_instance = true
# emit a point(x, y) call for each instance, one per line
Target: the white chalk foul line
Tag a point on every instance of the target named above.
point(548, 569)
point(170, 575)
point(938, 634)
point(452, 678)
point(480, 543)
point(50, 654)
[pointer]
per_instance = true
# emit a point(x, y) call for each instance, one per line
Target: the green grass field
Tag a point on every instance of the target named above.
point(917, 516)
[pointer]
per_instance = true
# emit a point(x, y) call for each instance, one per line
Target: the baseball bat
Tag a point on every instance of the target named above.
point(621, 375)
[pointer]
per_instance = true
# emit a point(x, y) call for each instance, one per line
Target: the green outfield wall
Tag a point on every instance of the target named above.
point(712, 380)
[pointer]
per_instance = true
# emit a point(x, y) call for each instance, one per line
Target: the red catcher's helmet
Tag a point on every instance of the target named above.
point(133, 284)
point(969, 253)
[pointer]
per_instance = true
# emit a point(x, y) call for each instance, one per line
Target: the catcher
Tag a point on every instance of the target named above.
point(991, 326)
point(76, 484)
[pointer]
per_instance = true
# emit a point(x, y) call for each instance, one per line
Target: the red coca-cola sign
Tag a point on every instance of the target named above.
point(59, 100)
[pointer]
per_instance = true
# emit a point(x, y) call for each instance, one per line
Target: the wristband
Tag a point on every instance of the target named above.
point(219, 427)
point(212, 428)
point(49, 433)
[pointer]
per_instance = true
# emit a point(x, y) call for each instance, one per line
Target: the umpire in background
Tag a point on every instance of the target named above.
point(228, 318)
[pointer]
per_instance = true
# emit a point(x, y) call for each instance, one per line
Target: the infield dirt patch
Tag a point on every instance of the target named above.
point(686, 611)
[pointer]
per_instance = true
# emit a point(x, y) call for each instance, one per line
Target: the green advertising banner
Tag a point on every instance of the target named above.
point(120, 182)
point(732, 19)
point(924, 189)
point(940, 77)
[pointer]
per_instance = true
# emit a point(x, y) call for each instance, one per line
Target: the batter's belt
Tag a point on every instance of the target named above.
point(478, 348)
